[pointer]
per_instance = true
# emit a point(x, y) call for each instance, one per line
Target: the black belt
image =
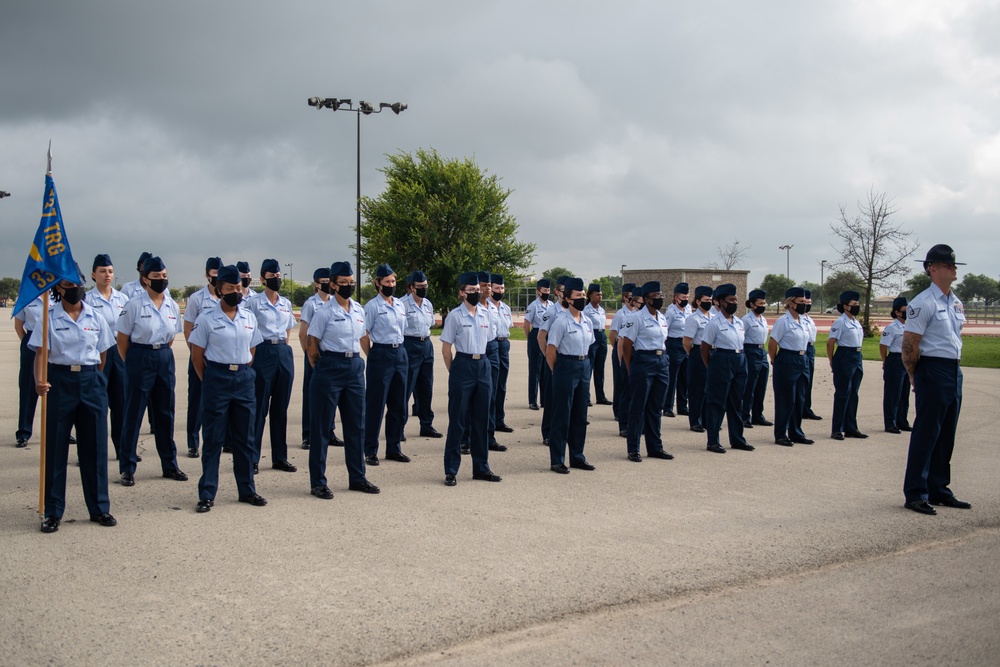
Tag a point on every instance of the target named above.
point(339, 355)
point(848, 349)
point(574, 357)
point(74, 368)
point(658, 353)
point(465, 355)
point(893, 354)
point(420, 338)
point(504, 338)
point(275, 341)
point(722, 349)
point(386, 345)
point(940, 360)
point(227, 367)
point(800, 353)
point(756, 346)
point(147, 346)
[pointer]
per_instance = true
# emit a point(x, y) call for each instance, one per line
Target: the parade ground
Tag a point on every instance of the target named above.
point(780, 556)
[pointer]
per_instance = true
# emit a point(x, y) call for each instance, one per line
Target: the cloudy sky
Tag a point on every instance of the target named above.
point(638, 133)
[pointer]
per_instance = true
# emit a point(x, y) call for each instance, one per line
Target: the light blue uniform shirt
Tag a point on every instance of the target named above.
point(847, 332)
point(647, 332)
point(892, 337)
point(309, 307)
point(506, 320)
point(571, 337)
point(676, 319)
point(754, 329)
point(468, 332)
point(133, 289)
point(31, 315)
point(535, 313)
point(385, 323)
point(226, 341)
point(811, 325)
point(494, 314)
point(790, 334)
point(199, 301)
point(694, 326)
point(722, 334)
point(337, 329)
point(598, 316)
point(109, 308)
point(550, 315)
point(143, 323)
point(273, 320)
point(619, 319)
point(77, 342)
point(419, 319)
point(939, 320)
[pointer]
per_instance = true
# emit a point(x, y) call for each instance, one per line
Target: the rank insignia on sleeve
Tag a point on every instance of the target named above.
point(912, 312)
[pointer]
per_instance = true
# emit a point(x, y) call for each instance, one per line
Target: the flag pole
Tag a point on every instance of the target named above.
point(44, 367)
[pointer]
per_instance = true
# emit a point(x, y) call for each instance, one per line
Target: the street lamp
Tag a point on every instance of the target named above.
point(4, 193)
point(367, 109)
point(822, 291)
point(787, 249)
point(290, 279)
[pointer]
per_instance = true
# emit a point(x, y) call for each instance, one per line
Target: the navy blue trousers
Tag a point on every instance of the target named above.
point(420, 379)
point(151, 381)
point(503, 357)
point(274, 368)
point(895, 392)
point(648, 379)
point(27, 396)
point(307, 373)
point(678, 387)
point(848, 372)
point(493, 354)
point(385, 393)
point(194, 416)
point(468, 396)
point(789, 380)
point(598, 354)
point(570, 395)
point(535, 363)
point(616, 381)
point(337, 382)
point(625, 397)
point(726, 382)
point(697, 377)
point(758, 371)
point(807, 399)
point(77, 399)
point(114, 373)
point(228, 408)
point(938, 394)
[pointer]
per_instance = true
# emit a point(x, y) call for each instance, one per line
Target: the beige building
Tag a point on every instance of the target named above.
point(693, 277)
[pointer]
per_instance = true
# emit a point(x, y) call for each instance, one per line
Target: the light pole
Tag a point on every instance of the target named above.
point(4, 193)
point(787, 248)
point(822, 289)
point(290, 279)
point(366, 109)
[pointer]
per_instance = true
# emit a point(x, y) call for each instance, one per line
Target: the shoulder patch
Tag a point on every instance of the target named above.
point(912, 312)
point(885, 332)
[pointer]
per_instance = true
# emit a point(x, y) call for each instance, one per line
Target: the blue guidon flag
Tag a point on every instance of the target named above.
point(49, 259)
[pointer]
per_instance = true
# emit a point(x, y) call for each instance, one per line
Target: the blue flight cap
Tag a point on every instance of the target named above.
point(681, 288)
point(756, 294)
point(702, 290)
point(340, 269)
point(382, 271)
point(573, 284)
point(267, 266)
point(243, 267)
point(468, 278)
point(899, 302)
point(213, 263)
point(794, 292)
point(483, 276)
point(153, 264)
point(725, 289)
point(562, 281)
point(807, 293)
point(496, 278)
point(650, 287)
point(142, 258)
point(628, 288)
point(848, 296)
point(418, 276)
point(102, 260)
point(544, 282)
point(321, 274)
point(593, 287)
point(229, 274)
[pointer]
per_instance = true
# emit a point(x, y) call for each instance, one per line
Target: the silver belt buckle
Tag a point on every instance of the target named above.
point(156, 346)
point(858, 349)
point(581, 357)
point(348, 355)
point(477, 356)
point(802, 353)
point(276, 341)
point(234, 367)
point(737, 351)
point(75, 368)
point(659, 353)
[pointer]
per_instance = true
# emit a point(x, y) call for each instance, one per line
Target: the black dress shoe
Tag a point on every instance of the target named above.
point(623, 433)
point(893, 429)
point(431, 432)
point(226, 449)
point(284, 466)
point(747, 425)
point(497, 447)
point(590, 404)
point(856, 434)
point(322, 492)
point(582, 465)
point(204, 505)
point(559, 468)
point(256, 468)
point(401, 457)
point(465, 449)
point(138, 459)
point(660, 454)
point(21, 443)
point(50, 524)
point(604, 401)
point(761, 422)
point(669, 413)
point(371, 460)
point(449, 480)
point(951, 502)
point(716, 449)
point(698, 429)
point(486, 476)
point(305, 444)
point(192, 452)
point(746, 447)
point(402, 438)
point(683, 413)
point(254, 499)
point(533, 406)
point(503, 428)
point(906, 428)
point(176, 474)
point(128, 479)
point(545, 441)
point(812, 415)
point(72, 440)
point(837, 436)
point(335, 441)
point(784, 442)
point(364, 487)
point(105, 520)
point(802, 441)
point(634, 457)
point(921, 506)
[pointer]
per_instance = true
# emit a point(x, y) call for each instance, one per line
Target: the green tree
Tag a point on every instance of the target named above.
point(611, 286)
point(775, 285)
point(9, 287)
point(917, 284)
point(176, 294)
point(978, 287)
point(840, 282)
point(557, 272)
point(191, 289)
point(442, 216)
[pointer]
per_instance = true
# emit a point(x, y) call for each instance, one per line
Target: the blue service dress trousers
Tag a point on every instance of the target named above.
point(468, 394)
point(228, 407)
point(848, 371)
point(503, 356)
point(80, 399)
point(758, 371)
point(274, 368)
point(625, 398)
point(194, 416)
point(338, 382)
point(570, 396)
point(598, 354)
point(27, 396)
point(615, 381)
point(420, 378)
point(807, 398)
point(151, 381)
point(114, 373)
point(648, 380)
point(789, 381)
point(895, 392)
point(385, 393)
point(697, 377)
point(535, 363)
point(726, 383)
point(678, 387)
point(938, 403)
point(492, 354)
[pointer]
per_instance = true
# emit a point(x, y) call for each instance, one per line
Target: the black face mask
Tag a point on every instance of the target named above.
point(73, 295)
point(580, 303)
point(473, 299)
point(387, 290)
point(759, 310)
point(498, 296)
point(705, 305)
point(656, 303)
point(683, 304)
point(800, 308)
point(902, 316)
point(273, 284)
point(324, 288)
point(233, 298)
point(158, 285)
point(345, 291)
point(543, 297)
point(809, 307)
point(420, 292)
point(731, 308)
point(855, 310)
point(212, 280)
point(245, 282)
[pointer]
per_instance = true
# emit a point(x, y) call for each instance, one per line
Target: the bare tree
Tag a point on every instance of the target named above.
point(730, 256)
point(875, 247)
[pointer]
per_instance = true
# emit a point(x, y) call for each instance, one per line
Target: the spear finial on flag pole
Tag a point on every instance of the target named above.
point(48, 170)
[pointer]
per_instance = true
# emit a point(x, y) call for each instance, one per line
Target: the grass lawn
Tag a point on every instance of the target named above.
point(977, 351)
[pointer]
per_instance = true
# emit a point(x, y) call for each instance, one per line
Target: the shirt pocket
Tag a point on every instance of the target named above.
point(941, 315)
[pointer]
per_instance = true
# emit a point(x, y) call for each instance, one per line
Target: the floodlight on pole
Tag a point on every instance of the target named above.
point(787, 248)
